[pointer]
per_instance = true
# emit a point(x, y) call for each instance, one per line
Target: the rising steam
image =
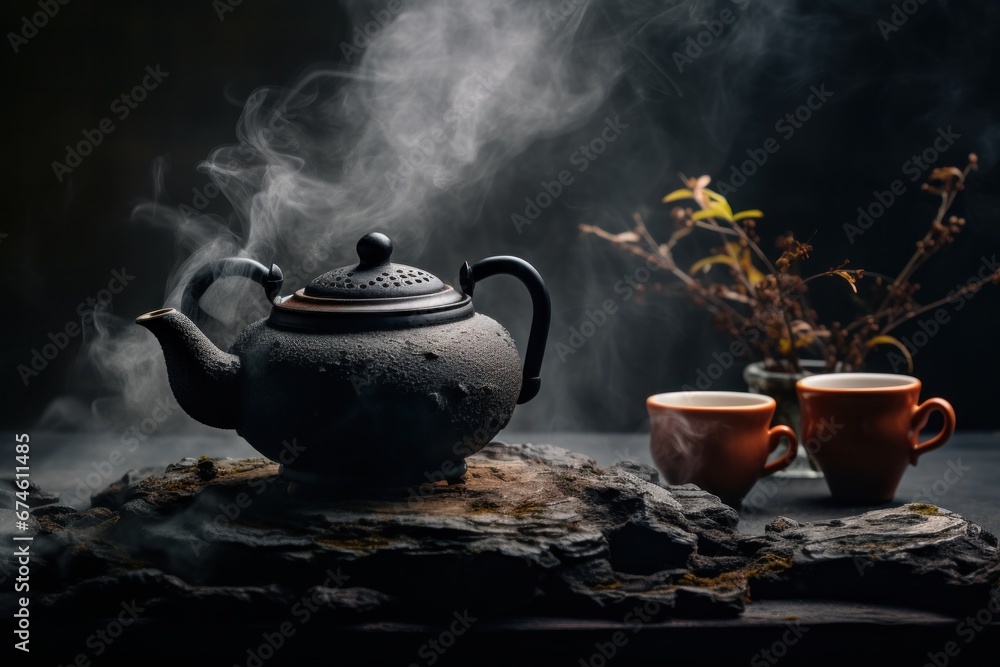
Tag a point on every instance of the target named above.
point(419, 128)
point(440, 99)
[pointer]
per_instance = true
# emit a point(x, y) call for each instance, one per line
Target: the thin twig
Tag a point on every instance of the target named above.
point(947, 199)
point(968, 289)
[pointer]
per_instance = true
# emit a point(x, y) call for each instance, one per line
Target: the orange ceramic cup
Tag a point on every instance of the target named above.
point(863, 429)
point(719, 440)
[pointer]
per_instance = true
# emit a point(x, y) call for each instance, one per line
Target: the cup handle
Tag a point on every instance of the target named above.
point(921, 414)
point(774, 437)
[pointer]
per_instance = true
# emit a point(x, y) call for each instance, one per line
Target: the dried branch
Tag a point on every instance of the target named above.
point(774, 301)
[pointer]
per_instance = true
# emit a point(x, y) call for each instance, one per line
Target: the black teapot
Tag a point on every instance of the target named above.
point(373, 374)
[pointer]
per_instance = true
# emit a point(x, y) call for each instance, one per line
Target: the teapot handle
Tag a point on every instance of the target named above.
point(270, 279)
point(541, 311)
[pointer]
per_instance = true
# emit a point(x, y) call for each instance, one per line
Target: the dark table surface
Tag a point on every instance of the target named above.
point(971, 461)
point(838, 632)
point(64, 462)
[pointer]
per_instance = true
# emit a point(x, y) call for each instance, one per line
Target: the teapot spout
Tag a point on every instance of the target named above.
point(204, 379)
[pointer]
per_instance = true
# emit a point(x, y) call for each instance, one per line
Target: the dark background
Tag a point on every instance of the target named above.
point(890, 97)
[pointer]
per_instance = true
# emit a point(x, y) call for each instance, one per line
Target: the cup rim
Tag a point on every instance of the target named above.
point(898, 382)
point(755, 402)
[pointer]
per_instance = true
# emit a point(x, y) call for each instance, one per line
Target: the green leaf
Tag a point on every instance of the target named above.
point(707, 262)
point(677, 195)
point(711, 212)
point(719, 201)
point(753, 274)
point(752, 213)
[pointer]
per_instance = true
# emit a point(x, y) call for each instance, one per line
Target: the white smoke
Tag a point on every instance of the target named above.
point(410, 138)
point(442, 97)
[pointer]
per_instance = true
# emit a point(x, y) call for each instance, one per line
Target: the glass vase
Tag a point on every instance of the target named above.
point(781, 387)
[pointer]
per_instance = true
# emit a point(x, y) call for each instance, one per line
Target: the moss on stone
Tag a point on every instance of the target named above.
point(734, 579)
point(607, 586)
point(768, 563)
point(528, 507)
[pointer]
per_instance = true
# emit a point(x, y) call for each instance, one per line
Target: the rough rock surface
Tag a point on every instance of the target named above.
point(533, 530)
point(917, 554)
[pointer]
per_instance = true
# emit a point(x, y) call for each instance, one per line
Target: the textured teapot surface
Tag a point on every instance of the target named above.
point(380, 407)
point(376, 374)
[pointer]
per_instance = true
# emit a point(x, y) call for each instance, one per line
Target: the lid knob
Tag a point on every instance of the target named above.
point(374, 276)
point(374, 249)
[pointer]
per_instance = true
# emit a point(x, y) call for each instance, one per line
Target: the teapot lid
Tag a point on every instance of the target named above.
point(372, 294)
point(374, 276)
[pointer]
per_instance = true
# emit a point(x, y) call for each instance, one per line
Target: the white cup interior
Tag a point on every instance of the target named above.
point(710, 399)
point(859, 381)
